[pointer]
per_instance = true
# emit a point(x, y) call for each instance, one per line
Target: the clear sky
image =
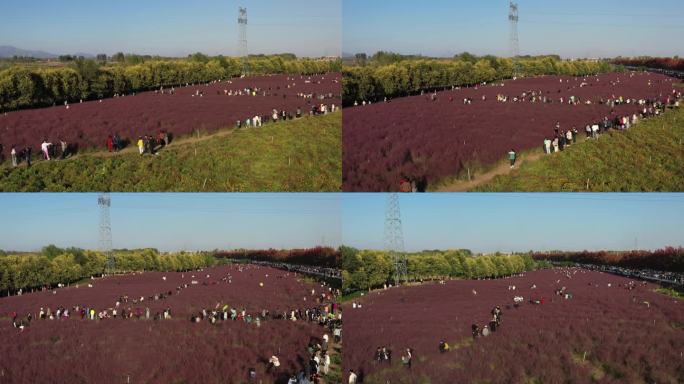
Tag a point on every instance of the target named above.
point(577, 28)
point(519, 222)
point(172, 221)
point(172, 27)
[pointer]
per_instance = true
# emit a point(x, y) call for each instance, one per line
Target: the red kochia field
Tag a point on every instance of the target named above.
point(88, 124)
point(164, 351)
point(625, 340)
point(419, 138)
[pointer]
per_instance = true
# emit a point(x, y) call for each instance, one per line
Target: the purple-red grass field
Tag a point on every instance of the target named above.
point(418, 138)
point(604, 334)
point(88, 124)
point(163, 351)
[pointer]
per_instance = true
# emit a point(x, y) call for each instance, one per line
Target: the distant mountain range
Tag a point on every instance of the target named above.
point(8, 51)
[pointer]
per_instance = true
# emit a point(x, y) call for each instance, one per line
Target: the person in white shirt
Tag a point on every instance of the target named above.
point(14, 156)
point(352, 377)
point(326, 363)
point(273, 363)
point(547, 146)
point(595, 130)
point(45, 148)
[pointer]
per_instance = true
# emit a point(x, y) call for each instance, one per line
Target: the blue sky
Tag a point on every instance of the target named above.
point(578, 28)
point(519, 222)
point(481, 222)
point(172, 221)
point(171, 27)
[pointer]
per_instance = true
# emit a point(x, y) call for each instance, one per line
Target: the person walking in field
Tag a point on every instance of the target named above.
point(148, 144)
point(65, 148)
point(141, 145)
point(512, 157)
point(116, 141)
point(406, 359)
point(45, 146)
point(475, 330)
point(27, 155)
point(547, 146)
point(273, 364)
point(13, 153)
point(326, 363)
point(485, 331)
point(352, 377)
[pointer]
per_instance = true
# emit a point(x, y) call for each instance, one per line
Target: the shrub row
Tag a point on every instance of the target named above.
point(27, 87)
point(375, 81)
point(366, 269)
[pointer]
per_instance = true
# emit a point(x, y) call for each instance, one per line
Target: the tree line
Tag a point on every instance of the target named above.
point(87, 79)
point(368, 269)
point(392, 75)
point(666, 259)
point(317, 256)
point(667, 63)
point(54, 265)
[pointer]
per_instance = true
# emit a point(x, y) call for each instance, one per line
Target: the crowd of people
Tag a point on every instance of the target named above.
point(48, 151)
point(90, 313)
point(283, 115)
point(562, 139)
point(151, 144)
point(324, 312)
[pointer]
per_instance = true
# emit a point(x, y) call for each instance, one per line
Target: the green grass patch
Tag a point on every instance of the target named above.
point(351, 296)
point(646, 158)
point(302, 155)
point(677, 293)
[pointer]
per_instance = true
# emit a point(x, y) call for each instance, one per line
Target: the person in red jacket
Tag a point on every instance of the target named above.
point(110, 143)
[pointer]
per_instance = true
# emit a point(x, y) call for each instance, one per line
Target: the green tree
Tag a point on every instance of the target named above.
point(51, 251)
point(65, 269)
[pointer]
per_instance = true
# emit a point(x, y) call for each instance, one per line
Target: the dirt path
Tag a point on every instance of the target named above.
point(133, 148)
point(501, 169)
point(335, 349)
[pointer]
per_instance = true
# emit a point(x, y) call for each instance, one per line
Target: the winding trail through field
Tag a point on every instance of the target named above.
point(334, 350)
point(501, 169)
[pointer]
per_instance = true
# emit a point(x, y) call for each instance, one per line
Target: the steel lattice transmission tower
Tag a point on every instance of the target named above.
point(394, 238)
point(514, 41)
point(513, 18)
point(104, 202)
point(242, 36)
